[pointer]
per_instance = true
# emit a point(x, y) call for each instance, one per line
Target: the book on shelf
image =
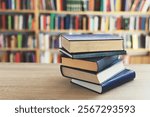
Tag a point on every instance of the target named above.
point(91, 43)
point(93, 23)
point(16, 21)
point(49, 57)
point(17, 4)
point(94, 64)
point(95, 5)
point(48, 41)
point(93, 77)
point(135, 41)
point(115, 81)
point(17, 40)
point(17, 57)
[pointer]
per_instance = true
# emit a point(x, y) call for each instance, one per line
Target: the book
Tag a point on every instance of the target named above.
point(91, 54)
point(91, 42)
point(113, 82)
point(94, 64)
point(93, 77)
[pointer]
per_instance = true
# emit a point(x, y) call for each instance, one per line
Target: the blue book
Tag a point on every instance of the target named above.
point(143, 22)
point(9, 4)
point(91, 64)
point(90, 76)
point(113, 82)
point(91, 42)
point(67, 22)
point(59, 22)
point(91, 54)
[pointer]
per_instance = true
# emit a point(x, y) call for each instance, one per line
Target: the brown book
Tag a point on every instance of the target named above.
point(13, 42)
point(3, 21)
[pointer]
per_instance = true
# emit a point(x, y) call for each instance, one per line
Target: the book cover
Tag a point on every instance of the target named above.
point(91, 54)
point(91, 42)
point(19, 40)
point(113, 82)
point(94, 64)
point(93, 77)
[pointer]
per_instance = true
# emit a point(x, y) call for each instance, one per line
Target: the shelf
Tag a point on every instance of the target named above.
point(122, 13)
point(87, 31)
point(136, 52)
point(18, 49)
point(16, 11)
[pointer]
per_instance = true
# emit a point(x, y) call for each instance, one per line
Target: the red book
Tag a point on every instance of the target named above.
point(61, 5)
point(58, 58)
point(44, 22)
point(76, 22)
point(118, 23)
point(140, 22)
point(108, 5)
point(3, 4)
point(18, 57)
point(62, 23)
point(3, 22)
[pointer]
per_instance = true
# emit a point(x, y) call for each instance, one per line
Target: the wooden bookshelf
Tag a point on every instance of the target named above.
point(18, 49)
point(36, 12)
point(87, 31)
point(22, 31)
point(16, 11)
point(135, 52)
point(116, 13)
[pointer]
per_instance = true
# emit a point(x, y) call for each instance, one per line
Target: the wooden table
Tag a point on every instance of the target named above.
point(44, 81)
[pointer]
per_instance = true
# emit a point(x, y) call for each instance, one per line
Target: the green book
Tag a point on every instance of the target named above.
point(27, 4)
point(19, 40)
point(30, 22)
point(52, 19)
point(9, 22)
point(102, 5)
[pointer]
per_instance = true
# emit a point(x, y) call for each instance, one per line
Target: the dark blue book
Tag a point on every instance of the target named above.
point(90, 76)
point(91, 42)
point(9, 4)
point(143, 22)
point(91, 64)
point(91, 54)
point(59, 22)
point(115, 81)
point(67, 22)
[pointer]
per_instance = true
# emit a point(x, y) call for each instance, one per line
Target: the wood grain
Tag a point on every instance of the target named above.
point(44, 81)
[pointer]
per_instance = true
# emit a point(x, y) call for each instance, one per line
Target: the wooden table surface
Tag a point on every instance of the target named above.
point(44, 81)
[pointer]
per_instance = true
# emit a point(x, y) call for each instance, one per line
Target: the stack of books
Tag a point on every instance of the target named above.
point(92, 61)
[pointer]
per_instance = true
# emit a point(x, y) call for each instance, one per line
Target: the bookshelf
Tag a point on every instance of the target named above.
point(48, 12)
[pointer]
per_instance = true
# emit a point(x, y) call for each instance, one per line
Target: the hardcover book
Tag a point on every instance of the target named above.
point(91, 64)
point(93, 77)
point(91, 54)
point(91, 42)
point(113, 82)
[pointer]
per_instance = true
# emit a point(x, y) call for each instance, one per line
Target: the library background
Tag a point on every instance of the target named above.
point(29, 29)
